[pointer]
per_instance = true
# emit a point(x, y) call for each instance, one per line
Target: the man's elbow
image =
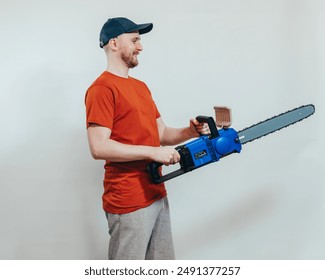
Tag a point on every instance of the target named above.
point(96, 154)
point(164, 141)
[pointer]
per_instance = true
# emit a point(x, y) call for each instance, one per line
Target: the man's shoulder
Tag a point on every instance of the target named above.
point(138, 82)
point(102, 80)
point(102, 86)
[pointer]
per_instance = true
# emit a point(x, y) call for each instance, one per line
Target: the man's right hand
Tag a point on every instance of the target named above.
point(166, 155)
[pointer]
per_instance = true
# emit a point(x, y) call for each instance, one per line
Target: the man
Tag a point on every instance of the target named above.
point(126, 130)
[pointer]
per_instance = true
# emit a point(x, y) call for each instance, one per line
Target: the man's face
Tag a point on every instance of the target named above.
point(130, 47)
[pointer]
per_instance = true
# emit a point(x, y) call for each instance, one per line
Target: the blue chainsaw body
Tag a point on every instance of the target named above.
point(201, 151)
point(205, 150)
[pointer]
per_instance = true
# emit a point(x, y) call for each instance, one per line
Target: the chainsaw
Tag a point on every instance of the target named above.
point(224, 141)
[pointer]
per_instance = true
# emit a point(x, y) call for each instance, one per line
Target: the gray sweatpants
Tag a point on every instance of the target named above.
point(144, 234)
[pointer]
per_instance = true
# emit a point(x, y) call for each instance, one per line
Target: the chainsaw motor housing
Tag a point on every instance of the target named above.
point(206, 149)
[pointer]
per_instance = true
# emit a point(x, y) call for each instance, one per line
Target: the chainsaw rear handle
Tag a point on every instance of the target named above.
point(153, 169)
point(186, 162)
point(155, 174)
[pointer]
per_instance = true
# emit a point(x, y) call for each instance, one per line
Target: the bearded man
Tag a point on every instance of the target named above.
point(126, 130)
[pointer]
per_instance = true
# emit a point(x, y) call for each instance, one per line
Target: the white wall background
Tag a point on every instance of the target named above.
point(258, 57)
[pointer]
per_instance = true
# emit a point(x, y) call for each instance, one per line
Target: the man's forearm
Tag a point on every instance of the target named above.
point(174, 136)
point(117, 152)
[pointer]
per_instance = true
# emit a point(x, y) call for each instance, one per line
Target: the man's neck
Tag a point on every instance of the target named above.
point(117, 68)
point(118, 72)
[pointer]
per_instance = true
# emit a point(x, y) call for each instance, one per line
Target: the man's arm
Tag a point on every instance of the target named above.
point(102, 147)
point(173, 136)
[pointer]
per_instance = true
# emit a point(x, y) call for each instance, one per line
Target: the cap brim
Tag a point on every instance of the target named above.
point(142, 28)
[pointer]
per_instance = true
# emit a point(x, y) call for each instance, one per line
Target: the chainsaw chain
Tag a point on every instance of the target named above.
point(276, 117)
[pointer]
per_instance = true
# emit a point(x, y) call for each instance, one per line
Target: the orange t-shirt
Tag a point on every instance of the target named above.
point(125, 106)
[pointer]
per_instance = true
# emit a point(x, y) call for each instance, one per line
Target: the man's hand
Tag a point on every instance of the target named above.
point(196, 128)
point(165, 155)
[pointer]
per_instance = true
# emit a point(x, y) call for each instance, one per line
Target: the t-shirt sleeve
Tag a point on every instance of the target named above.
point(100, 103)
point(156, 108)
point(157, 112)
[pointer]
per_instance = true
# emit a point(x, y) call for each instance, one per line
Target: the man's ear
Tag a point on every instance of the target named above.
point(113, 44)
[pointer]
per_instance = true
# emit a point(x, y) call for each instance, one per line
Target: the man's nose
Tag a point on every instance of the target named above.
point(139, 46)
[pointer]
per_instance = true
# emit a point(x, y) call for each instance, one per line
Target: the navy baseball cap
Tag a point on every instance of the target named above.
point(114, 27)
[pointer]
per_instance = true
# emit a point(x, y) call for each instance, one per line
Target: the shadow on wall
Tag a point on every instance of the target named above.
point(246, 213)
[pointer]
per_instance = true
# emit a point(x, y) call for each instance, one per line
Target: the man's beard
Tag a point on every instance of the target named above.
point(129, 59)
